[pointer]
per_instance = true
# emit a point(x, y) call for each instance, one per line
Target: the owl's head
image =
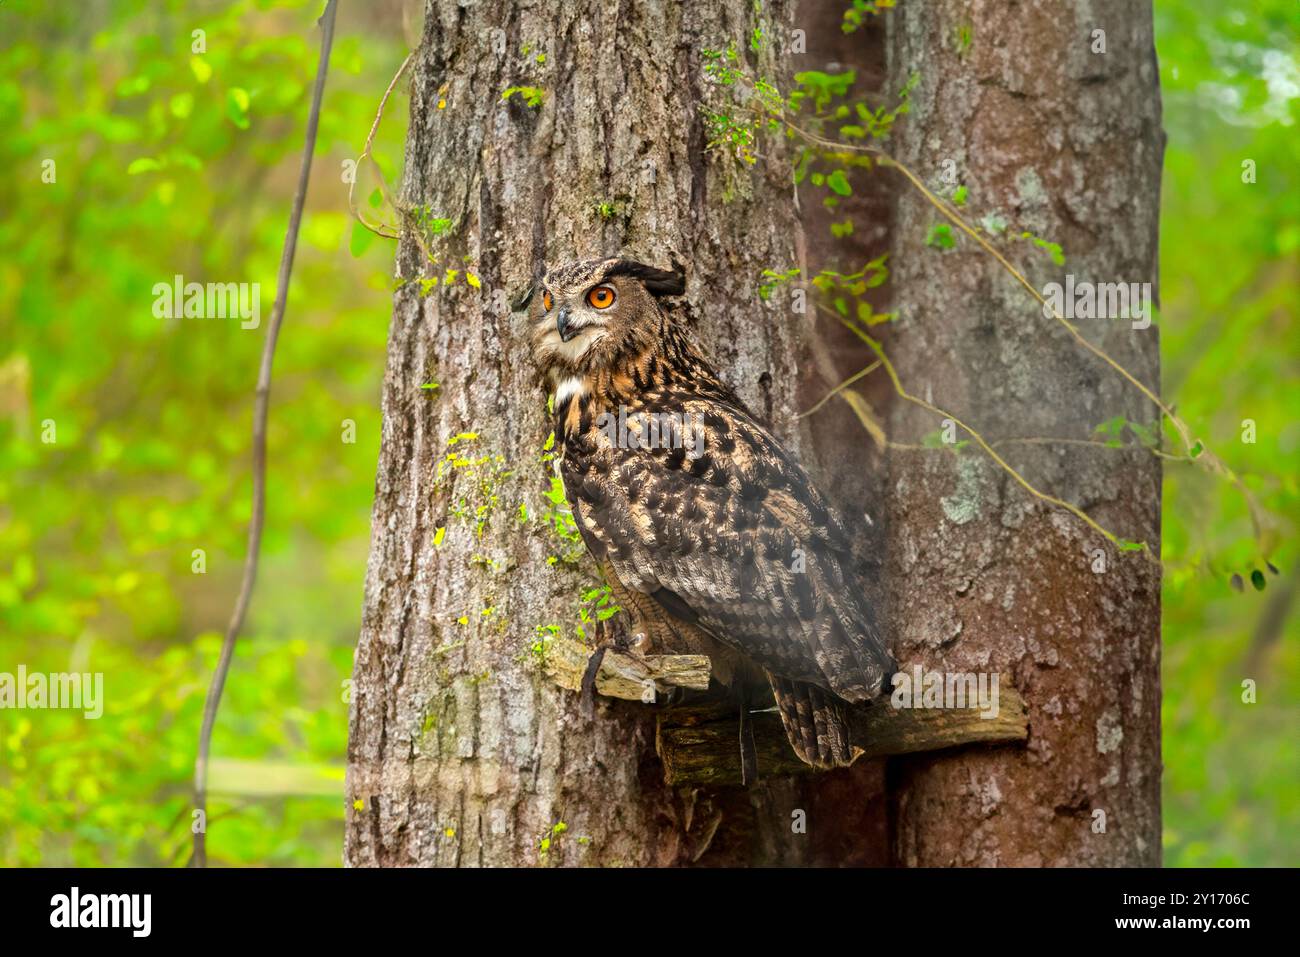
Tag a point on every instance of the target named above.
point(592, 315)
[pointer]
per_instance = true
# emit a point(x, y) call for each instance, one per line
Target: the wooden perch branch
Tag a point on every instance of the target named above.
point(625, 676)
point(699, 743)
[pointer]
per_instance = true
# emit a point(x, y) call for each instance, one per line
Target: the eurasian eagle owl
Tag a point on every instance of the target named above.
point(709, 534)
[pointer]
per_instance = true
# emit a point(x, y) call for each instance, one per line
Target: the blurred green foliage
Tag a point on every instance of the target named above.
point(1230, 347)
point(173, 162)
point(168, 161)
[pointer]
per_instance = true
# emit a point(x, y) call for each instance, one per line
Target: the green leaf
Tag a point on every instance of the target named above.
point(237, 103)
point(1113, 426)
point(940, 237)
point(182, 105)
point(1052, 249)
point(531, 95)
point(145, 164)
point(839, 183)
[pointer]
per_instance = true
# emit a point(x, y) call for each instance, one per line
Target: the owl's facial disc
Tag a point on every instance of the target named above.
point(590, 315)
point(567, 330)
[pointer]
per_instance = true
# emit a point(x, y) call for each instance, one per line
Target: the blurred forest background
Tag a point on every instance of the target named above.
point(169, 161)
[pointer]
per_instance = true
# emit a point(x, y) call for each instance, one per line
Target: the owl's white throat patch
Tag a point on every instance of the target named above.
point(572, 387)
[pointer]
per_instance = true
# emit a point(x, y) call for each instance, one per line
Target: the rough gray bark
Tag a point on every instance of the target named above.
point(461, 751)
point(1066, 143)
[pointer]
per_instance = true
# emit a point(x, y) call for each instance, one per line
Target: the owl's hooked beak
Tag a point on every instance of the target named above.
point(562, 325)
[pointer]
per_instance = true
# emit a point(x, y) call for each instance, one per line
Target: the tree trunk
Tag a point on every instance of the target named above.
point(462, 751)
point(1066, 143)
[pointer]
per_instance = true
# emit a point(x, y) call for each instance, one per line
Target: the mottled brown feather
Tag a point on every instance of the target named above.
point(749, 550)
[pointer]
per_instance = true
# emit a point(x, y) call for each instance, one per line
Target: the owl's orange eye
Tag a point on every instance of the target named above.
point(602, 297)
point(546, 301)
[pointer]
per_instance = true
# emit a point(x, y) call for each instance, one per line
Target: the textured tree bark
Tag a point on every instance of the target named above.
point(462, 751)
point(1064, 142)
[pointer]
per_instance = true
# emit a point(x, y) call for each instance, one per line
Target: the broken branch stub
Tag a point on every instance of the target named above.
point(624, 676)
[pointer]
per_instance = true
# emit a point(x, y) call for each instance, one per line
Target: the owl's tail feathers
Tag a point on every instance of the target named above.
point(816, 722)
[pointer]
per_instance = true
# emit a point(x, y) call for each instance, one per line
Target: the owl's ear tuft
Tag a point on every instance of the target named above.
point(659, 282)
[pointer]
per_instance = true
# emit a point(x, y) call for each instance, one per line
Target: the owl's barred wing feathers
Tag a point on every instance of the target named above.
point(815, 722)
point(735, 539)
